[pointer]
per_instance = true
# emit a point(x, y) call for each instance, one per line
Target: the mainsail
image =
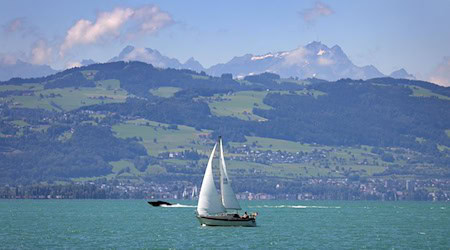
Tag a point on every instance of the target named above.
point(209, 201)
point(229, 200)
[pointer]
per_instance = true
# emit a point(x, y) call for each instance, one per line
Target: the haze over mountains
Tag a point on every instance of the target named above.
point(155, 58)
point(315, 60)
point(22, 69)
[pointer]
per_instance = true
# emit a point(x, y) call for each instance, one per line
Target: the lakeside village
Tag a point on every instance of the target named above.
point(259, 185)
point(314, 189)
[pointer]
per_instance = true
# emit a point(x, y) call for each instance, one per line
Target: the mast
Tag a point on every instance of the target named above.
point(229, 200)
point(209, 200)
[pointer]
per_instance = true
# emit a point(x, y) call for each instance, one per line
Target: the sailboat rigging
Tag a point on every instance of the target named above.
point(215, 210)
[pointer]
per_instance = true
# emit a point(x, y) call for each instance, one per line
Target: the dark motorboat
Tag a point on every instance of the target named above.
point(159, 203)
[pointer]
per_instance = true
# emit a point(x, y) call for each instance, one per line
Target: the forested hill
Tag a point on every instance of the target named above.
point(73, 124)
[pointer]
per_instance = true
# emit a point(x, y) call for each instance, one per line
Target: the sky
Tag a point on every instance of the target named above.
point(409, 34)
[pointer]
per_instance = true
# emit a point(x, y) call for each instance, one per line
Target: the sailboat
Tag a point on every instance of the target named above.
point(194, 192)
point(215, 210)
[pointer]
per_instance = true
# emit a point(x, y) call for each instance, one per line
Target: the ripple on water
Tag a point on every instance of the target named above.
point(281, 225)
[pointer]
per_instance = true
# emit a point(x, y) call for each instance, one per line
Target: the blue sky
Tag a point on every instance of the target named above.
point(388, 34)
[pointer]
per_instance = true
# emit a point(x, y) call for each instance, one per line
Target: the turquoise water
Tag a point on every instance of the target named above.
point(93, 224)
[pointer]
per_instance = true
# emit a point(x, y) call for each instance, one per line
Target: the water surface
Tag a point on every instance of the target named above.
point(281, 224)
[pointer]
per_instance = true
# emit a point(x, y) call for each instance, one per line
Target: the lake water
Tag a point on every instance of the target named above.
point(93, 224)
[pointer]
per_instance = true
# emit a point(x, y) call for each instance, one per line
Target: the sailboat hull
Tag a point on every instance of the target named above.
point(226, 220)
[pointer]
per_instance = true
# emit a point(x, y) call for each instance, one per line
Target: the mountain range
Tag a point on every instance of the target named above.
point(23, 69)
point(155, 58)
point(315, 60)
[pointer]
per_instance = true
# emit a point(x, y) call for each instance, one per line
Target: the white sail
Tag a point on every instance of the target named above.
point(194, 192)
point(229, 200)
point(209, 200)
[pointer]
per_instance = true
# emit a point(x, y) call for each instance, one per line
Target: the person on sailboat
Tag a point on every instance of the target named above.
point(245, 216)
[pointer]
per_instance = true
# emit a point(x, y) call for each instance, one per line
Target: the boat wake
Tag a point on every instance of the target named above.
point(177, 205)
point(292, 206)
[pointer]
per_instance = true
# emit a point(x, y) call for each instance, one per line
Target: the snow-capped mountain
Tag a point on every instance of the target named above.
point(155, 58)
point(401, 73)
point(313, 60)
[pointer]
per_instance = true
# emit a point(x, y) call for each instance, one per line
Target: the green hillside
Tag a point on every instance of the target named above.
point(131, 121)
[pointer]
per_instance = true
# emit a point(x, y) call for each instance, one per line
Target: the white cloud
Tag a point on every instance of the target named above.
point(138, 54)
point(41, 53)
point(72, 64)
point(7, 59)
point(296, 57)
point(85, 32)
point(143, 55)
point(441, 74)
point(149, 19)
point(325, 61)
point(21, 26)
point(320, 9)
point(16, 24)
